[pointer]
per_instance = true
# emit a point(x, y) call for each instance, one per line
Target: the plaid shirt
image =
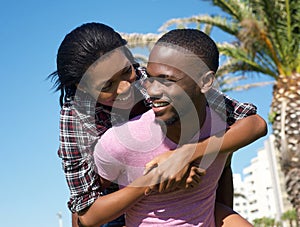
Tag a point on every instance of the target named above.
point(83, 121)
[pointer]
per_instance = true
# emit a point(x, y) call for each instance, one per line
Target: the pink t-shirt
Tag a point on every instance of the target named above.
point(121, 155)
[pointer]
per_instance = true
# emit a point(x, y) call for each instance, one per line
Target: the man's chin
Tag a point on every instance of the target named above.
point(166, 121)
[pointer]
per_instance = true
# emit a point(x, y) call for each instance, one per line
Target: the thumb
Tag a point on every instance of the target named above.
point(199, 171)
point(149, 166)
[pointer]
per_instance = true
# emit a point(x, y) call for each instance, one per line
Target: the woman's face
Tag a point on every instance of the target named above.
point(109, 80)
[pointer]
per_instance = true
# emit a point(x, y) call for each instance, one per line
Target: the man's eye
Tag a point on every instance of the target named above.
point(150, 79)
point(157, 79)
point(166, 82)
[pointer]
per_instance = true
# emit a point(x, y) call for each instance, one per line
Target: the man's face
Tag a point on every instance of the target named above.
point(173, 84)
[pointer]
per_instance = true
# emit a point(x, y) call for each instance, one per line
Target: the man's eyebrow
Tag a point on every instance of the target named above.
point(168, 77)
point(160, 75)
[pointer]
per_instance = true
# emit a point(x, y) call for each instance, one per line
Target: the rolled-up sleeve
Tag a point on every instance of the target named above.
point(228, 108)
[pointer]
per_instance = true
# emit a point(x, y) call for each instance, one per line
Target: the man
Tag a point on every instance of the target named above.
point(181, 68)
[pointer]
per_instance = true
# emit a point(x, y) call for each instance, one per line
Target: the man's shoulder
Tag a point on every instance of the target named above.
point(134, 134)
point(213, 124)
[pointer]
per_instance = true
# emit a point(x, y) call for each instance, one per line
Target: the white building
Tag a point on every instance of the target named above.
point(241, 203)
point(262, 190)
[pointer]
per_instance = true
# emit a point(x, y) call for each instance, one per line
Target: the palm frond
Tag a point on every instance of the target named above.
point(281, 21)
point(229, 83)
point(218, 21)
point(237, 9)
point(252, 85)
point(141, 59)
point(239, 61)
point(140, 40)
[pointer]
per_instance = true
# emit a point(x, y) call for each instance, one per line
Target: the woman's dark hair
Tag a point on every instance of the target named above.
point(196, 42)
point(78, 51)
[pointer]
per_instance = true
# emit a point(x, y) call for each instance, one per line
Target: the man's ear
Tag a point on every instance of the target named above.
point(207, 81)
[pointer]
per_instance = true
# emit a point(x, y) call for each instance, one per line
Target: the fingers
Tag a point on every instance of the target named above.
point(162, 186)
point(148, 191)
point(166, 180)
point(171, 183)
point(199, 171)
point(163, 183)
point(155, 161)
point(194, 177)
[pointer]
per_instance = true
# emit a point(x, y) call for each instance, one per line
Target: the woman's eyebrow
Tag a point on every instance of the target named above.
point(100, 86)
point(126, 67)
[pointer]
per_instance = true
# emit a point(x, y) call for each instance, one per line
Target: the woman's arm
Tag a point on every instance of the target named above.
point(108, 207)
point(111, 206)
point(79, 171)
point(240, 134)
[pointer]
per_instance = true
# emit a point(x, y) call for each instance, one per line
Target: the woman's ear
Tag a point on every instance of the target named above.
point(207, 81)
point(81, 88)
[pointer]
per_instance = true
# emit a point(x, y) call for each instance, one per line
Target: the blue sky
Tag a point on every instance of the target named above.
point(33, 187)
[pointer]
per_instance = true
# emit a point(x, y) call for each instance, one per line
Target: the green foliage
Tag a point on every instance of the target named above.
point(267, 35)
point(289, 215)
point(271, 27)
point(264, 222)
point(271, 117)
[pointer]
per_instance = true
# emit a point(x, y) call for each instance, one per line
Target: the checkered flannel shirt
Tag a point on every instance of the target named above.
point(82, 122)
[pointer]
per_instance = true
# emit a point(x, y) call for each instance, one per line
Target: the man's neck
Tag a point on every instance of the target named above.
point(183, 130)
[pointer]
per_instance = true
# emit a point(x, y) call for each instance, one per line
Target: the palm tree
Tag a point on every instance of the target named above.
point(289, 216)
point(264, 222)
point(267, 39)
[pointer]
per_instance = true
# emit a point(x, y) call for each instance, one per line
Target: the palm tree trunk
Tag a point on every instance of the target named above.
point(286, 128)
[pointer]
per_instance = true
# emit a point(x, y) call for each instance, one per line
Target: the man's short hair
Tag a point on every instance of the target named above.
point(194, 41)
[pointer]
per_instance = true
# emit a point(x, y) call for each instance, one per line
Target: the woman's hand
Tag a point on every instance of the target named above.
point(193, 177)
point(173, 171)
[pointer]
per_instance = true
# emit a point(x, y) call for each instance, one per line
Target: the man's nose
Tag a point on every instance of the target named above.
point(155, 88)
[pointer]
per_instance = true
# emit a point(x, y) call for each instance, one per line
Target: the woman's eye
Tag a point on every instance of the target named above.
point(107, 86)
point(171, 80)
point(128, 70)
